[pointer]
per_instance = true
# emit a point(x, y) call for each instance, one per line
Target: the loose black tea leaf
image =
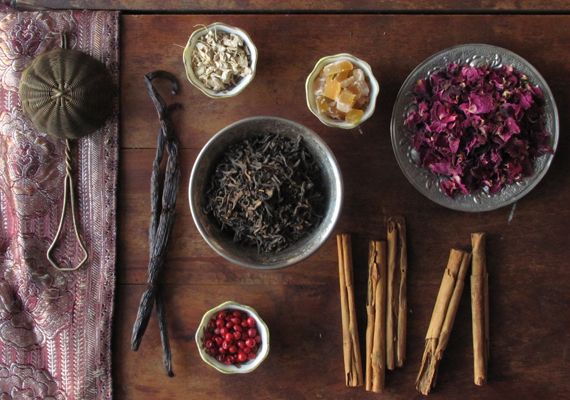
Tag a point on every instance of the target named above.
point(267, 191)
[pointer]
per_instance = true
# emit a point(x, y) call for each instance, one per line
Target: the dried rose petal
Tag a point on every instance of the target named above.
point(480, 127)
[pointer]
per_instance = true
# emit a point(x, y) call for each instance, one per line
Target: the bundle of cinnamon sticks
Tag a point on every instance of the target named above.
point(445, 310)
point(442, 318)
point(386, 307)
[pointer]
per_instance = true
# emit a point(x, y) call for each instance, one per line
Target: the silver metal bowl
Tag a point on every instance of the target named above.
point(222, 242)
point(426, 182)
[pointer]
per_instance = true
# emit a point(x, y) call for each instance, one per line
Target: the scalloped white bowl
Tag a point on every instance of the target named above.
point(246, 367)
point(187, 59)
point(311, 99)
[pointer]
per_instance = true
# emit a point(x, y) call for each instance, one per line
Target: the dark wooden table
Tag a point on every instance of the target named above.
point(528, 249)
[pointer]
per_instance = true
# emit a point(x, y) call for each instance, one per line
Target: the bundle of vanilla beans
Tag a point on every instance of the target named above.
point(163, 202)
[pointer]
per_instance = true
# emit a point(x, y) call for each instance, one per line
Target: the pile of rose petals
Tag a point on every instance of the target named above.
point(479, 127)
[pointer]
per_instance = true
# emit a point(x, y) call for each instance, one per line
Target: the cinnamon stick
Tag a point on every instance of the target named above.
point(376, 310)
point(371, 305)
point(402, 293)
point(397, 308)
point(442, 319)
point(379, 345)
point(391, 307)
point(479, 309)
point(350, 341)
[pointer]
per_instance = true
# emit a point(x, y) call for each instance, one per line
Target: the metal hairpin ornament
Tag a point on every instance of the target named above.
point(67, 192)
point(67, 94)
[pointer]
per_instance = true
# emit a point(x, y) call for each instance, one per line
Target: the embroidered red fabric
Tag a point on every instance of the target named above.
point(55, 328)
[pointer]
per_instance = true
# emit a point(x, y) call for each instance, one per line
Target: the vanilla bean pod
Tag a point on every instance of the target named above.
point(162, 215)
point(167, 354)
point(147, 300)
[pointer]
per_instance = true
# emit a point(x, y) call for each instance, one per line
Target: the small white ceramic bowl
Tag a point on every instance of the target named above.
point(243, 368)
point(311, 99)
point(187, 58)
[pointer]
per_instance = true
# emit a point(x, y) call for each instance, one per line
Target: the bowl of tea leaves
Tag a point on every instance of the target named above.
point(265, 192)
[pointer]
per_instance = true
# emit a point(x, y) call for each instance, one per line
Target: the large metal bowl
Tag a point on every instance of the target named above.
point(222, 242)
point(426, 182)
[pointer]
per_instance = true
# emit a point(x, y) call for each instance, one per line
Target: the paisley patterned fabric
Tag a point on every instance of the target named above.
point(55, 327)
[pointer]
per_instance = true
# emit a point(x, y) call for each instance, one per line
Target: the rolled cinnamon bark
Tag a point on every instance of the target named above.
point(373, 278)
point(402, 293)
point(379, 345)
point(376, 310)
point(397, 306)
point(442, 319)
point(479, 309)
point(391, 299)
point(350, 341)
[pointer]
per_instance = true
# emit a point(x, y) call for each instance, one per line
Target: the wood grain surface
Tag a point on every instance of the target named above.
point(528, 249)
point(491, 6)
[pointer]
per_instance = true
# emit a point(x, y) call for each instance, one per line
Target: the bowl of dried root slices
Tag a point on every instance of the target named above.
point(220, 60)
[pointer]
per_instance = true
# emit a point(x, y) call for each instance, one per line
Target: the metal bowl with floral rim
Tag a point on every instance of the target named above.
point(428, 183)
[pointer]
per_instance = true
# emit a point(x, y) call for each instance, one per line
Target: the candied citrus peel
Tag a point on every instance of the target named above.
point(354, 116)
point(337, 67)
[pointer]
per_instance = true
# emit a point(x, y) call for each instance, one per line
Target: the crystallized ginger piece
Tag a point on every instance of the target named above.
point(358, 74)
point(347, 82)
point(337, 67)
point(341, 76)
point(343, 107)
point(354, 116)
point(332, 88)
point(346, 97)
point(345, 100)
point(323, 105)
point(362, 88)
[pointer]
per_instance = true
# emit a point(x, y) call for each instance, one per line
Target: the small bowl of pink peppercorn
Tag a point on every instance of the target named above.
point(232, 338)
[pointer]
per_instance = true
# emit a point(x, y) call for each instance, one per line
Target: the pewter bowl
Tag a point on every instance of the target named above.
point(222, 242)
point(425, 181)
